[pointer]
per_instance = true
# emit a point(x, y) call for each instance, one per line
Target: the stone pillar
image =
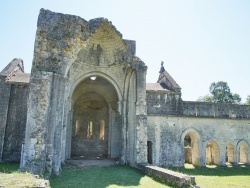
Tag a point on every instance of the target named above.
point(34, 150)
point(43, 138)
point(203, 153)
point(223, 153)
point(55, 128)
point(4, 105)
point(124, 134)
point(69, 134)
point(141, 115)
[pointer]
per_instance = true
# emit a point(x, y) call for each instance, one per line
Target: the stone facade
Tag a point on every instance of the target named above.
point(87, 97)
point(14, 84)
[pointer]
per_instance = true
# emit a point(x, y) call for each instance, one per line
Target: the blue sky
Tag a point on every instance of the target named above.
point(200, 41)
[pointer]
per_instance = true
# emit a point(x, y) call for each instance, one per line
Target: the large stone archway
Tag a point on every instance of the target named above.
point(96, 123)
point(68, 51)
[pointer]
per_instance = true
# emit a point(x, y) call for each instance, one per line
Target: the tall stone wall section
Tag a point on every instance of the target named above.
point(4, 104)
point(16, 123)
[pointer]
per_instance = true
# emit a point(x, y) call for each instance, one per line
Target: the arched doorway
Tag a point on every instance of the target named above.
point(191, 149)
point(230, 153)
point(212, 153)
point(243, 153)
point(96, 121)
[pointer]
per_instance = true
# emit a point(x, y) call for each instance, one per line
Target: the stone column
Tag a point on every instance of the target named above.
point(69, 133)
point(141, 115)
point(202, 152)
point(124, 133)
point(34, 150)
point(43, 138)
point(222, 152)
point(55, 128)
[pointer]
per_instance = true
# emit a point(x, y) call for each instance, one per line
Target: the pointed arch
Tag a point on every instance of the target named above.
point(212, 152)
point(97, 73)
point(242, 149)
point(190, 142)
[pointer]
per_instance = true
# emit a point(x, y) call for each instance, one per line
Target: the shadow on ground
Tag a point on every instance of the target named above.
point(227, 170)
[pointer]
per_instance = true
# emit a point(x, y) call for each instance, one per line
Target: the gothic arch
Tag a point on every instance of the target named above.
point(242, 150)
point(212, 152)
point(95, 118)
point(96, 73)
point(190, 141)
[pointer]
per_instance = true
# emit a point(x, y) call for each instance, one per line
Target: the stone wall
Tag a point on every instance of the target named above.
point(203, 109)
point(4, 104)
point(170, 103)
point(168, 177)
point(16, 123)
point(164, 102)
point(167, 136)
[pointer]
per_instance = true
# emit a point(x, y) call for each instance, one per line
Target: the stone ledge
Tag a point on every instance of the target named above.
point(168, 177)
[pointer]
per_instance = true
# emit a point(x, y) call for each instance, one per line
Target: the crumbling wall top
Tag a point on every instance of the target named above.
point(62, 39)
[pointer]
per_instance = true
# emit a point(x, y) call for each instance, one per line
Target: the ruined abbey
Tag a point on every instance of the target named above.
point(87, 97)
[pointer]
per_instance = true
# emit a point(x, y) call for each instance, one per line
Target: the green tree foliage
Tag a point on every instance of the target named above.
point(236, 98)
point(206, 98)
point(221, 93)
point(248, 100)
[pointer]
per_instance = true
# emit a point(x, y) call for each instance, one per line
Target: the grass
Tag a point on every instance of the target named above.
point(72, 176)
point(125, 176)
point(221, 176)
point(100, 177)
point(11, 177)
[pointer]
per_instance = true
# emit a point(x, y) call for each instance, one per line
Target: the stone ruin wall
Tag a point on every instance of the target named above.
point(169, 120)
point(69, 49)
point(65, 54)
point(13, 116)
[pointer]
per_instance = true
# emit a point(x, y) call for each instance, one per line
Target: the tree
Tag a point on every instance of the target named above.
point(248, 100)
point(220, 93)
point(236, 98)
point(206, 98)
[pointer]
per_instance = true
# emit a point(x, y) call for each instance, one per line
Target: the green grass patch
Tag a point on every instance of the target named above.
point(218, 176)
point(100, 177)
point(11, 177)
point(8, 167)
